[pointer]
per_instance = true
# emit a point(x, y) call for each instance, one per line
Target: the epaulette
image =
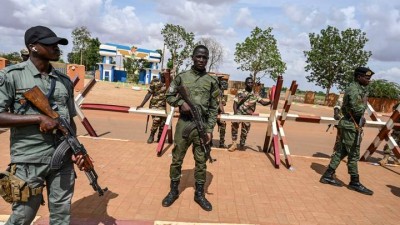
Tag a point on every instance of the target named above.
point(19, 66)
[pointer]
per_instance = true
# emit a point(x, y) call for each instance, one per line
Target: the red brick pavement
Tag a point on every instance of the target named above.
point(243, 187)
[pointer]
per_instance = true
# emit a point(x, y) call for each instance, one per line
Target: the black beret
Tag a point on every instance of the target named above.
point(43, 35)
point(363, 71)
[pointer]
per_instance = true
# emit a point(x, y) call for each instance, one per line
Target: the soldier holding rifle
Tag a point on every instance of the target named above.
point(203, 93)
point(33, 140)
point(350, 126)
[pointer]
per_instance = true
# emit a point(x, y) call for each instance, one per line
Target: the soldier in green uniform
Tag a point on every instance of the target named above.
point(24, 54)
point(353, 108)
point(32, 140)
point(204, 91)
point(386, 150)
point(222, 102)
point(337, 115)
point(244, 103)
point(157, 91)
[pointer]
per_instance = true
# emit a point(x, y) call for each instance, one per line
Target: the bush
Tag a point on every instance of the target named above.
point(384, 89)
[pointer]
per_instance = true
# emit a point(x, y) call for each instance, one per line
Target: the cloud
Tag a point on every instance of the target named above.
point(244, 18)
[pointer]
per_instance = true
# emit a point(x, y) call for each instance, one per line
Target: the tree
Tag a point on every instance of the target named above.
point(12, 57)
point(333, 57)
point(216, 53)
point(81, 39)
point(384, 89)
point(259, 54)
point(179, 43)
point(92, 55)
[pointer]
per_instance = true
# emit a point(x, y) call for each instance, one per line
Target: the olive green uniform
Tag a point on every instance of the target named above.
point(353, 108)
point(204, 91)
point(157, 89)
point(30, 149)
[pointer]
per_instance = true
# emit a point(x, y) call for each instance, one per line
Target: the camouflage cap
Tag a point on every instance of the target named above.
point(24, 51)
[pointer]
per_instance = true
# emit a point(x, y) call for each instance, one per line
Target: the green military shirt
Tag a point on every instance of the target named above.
point(157, 89)
point(203, 90)
point(246, 102)
point(28, 144)
point(354, 105)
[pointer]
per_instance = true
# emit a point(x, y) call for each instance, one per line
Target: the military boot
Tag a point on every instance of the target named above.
point(385, 159)
point(151, 137)
point(200, 198)
point(327, 178)
point(222, 144)
point(172, 195)
point(233, 147)
point(355, 185)
point(241, 145)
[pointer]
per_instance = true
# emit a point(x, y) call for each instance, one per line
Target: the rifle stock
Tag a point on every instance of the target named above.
point(198, 121)
point(69, 141)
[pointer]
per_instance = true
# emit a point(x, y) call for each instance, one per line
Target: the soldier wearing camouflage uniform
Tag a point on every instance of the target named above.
point(157, 91)
point(386, 150)
point(244, 103)
point(203, 91)
point(353, 108)
point(337, 115)
point(222, 102)
point(32, 140)
point(24, 54)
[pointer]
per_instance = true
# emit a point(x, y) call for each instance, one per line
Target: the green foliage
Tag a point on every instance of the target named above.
point(81, 40)
point(92, 55)
point(334, 55)
point(259, 54)
point(384, 89)
point(132, 67)
point(13, 57)
point(179, 43)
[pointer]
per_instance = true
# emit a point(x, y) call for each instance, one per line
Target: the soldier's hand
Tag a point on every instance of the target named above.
point(79, 160)
point(185, 108)
point(47, 124)
point(209, 137)
point(362, 122)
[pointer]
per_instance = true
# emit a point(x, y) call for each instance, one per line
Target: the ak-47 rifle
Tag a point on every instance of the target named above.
point(198, 120)
point(69, 141)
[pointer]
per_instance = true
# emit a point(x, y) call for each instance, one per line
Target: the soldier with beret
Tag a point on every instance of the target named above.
point(204, 91)
point(350, 126)
point(24, 54)
point(33, 141)
point(156, 91)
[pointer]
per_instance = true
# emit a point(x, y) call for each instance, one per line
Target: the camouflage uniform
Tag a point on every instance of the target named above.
point(204, 91)
point(31, 150)
point(221, 124)
point(338, 116)
point(157, 89)
point(386, 150)
point(247, 101)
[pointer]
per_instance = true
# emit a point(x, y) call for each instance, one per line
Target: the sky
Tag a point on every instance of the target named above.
point(139, 23)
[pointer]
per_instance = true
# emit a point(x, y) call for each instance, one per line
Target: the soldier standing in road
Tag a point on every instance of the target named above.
point(24, 54)
point(157, 91)
point(203, 90)
point(33, 141)
point(244, 103)
point(353, 108)
point(222, 102)
point(337, 115)
point(386, 150)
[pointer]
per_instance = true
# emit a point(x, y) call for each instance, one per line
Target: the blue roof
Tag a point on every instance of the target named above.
point(119, 46)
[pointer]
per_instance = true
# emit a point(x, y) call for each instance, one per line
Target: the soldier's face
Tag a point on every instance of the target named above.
point(200, 59)
point(364, 80)
point(47, 52)
point(249, 83)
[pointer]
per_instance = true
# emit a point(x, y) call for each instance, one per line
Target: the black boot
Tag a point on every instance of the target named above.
point(222, 144)
point(172, 195)
point(241, 145)
point(327, 178)
point(200, 198)
point(151, 138)
point(355, 185)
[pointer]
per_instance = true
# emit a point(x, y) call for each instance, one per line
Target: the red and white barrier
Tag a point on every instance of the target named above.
point(167, 130)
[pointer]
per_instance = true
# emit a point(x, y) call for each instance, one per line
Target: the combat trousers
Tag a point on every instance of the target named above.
point(347, 147)
point(222, 130)
point(158, 123)
point(60, 188)
point(244, 131)
point(396, 136)
point(179, 152)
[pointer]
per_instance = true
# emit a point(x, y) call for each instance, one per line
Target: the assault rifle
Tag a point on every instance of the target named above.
point(198, 119)
point(69, 141)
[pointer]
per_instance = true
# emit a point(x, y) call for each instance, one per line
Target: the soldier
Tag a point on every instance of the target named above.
point(244, 103)
point(350, 126)
point(157, 91)
point(24, 54)
point(386, 150)
point(222, 102)
point(204, 91)
point(337, 115)
point(32, 142)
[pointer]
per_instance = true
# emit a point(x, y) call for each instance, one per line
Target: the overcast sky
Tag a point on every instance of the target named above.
point(139, 22)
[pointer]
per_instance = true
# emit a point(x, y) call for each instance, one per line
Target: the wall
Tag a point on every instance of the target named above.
point(75, 69)
point(3, 63)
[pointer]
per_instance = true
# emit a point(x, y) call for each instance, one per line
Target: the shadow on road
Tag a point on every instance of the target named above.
point(395, 190)
point(187, 181)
